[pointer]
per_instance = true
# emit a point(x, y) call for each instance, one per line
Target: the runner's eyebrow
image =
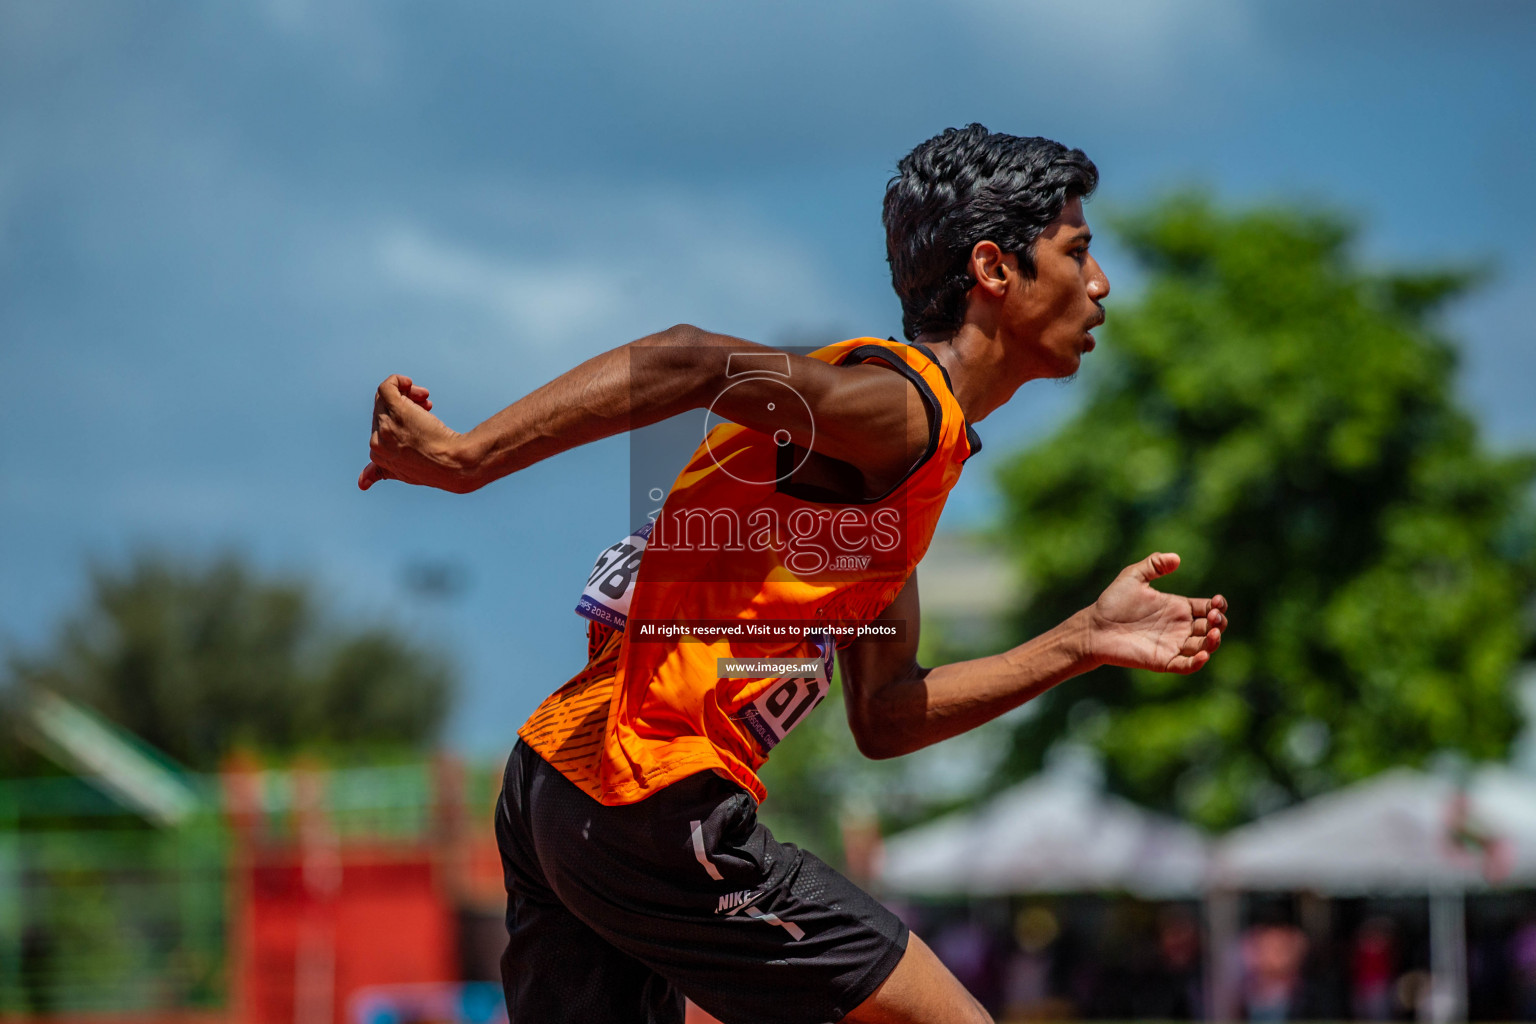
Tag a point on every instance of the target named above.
point(1085, 236)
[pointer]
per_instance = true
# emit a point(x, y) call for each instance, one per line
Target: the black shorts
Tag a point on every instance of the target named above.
point(616, 913)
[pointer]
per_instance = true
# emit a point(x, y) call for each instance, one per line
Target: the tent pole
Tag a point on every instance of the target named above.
point(1447, 956)
point(1223, 920)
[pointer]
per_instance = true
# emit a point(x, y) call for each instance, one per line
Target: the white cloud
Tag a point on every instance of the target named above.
point(542, 304)
point(662, 259)
point(348, 35)
point(1131, 50)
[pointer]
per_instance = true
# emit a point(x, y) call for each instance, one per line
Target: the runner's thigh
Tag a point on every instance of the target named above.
point(689, 883)
point(556, 969)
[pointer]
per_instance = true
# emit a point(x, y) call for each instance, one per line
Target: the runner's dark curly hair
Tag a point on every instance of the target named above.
point(958, 188)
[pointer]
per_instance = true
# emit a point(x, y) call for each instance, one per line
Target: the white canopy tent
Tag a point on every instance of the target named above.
point(1398, 832)
point(1056, 832)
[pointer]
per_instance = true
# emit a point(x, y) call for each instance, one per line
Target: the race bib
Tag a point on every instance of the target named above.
point(612, 583)
point(787, 702)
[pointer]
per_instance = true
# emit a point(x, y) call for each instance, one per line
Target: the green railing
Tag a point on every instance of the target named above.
point(100, 910)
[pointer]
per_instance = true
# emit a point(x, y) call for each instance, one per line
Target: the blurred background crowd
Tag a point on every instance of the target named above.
point(252, 721)
point(1102, 958)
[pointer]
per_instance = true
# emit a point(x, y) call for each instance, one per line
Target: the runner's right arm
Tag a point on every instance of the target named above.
point(865, 415)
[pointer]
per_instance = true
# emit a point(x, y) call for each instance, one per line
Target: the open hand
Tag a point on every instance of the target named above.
point(406, 441)
point(1134, 626)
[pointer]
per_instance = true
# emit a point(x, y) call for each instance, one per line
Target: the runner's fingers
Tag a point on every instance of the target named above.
point(1203, 607)
point(1207, 642)
point(1155, 565)
point(392, 391)
point(421, 396)
point(1185, 664)
point(372, 474)
point(1206, 614)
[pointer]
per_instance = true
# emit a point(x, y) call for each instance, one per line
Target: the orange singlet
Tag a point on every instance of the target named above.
point(738, 539)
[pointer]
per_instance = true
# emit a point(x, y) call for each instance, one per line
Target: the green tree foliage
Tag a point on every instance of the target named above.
point(1286, 421)
point(198, 660)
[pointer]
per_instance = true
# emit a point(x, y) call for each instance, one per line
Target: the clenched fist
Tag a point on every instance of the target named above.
point(408, 443)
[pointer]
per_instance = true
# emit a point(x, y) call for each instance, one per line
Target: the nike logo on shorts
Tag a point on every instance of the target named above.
point(736, 901)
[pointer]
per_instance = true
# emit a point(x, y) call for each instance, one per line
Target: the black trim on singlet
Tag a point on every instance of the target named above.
point(786, 461)
point(971, 437)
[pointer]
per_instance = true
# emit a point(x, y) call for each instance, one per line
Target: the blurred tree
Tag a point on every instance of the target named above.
point(197, 660)
point(1285, 420)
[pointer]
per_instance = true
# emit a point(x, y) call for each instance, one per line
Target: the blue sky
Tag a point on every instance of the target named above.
point(222, 225)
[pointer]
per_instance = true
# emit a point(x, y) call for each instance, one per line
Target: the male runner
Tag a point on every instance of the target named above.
point(636, 870)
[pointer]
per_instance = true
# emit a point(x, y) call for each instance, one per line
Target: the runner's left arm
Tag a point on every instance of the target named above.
point(866, 415)
point(896, 706)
